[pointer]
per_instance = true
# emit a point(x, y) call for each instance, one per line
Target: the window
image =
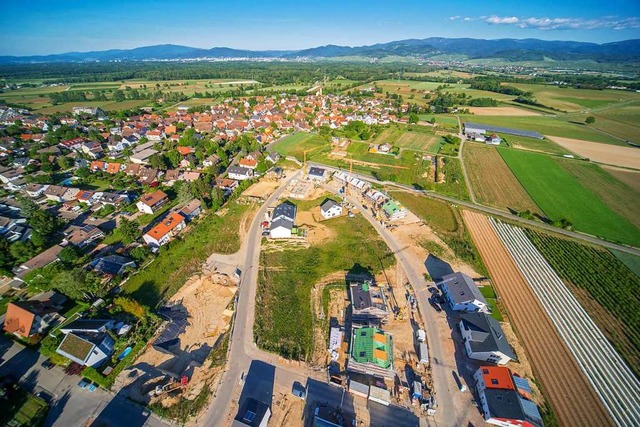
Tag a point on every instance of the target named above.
point(494, 381)
point(485, 371)
point(249, 416)
point(363, 354)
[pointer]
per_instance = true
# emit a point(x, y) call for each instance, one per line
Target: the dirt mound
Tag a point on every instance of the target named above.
point(318, 232)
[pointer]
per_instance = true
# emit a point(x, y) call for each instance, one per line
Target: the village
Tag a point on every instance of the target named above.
point(115, 193)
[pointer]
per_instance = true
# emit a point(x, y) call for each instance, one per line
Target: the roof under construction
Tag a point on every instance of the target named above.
point(372, 345)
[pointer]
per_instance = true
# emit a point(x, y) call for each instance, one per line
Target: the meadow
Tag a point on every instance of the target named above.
point(284, 324)
point(181, 258)
point(562, 195)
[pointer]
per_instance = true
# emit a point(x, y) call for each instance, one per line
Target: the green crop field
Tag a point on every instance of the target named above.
point(561, 195)
point(545, 125)
point(570, 99)
point(420, 141)
point(599, 276)
point(620, 197)
point(295, 145)
point(534, 144)
point(389, 135)
point(284, 322)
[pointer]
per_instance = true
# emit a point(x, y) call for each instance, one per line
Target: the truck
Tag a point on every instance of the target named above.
point(421, 335)
point(423, 354)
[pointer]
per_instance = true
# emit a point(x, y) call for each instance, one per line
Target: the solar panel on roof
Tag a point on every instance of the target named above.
point(508, 131)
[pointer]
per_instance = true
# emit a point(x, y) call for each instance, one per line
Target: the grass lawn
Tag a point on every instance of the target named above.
point(545, 125)
point(23, 409)
point(588, 102)
point(420, 141)
point(492, 300)
point(284, 324)
point(561, 195)
point(184, 256)
point(447, 122)
point(533, 144)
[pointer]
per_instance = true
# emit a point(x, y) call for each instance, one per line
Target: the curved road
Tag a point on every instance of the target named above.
point(494, 212)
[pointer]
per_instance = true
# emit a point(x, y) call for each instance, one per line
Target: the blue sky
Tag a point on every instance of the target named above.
point(41, 27)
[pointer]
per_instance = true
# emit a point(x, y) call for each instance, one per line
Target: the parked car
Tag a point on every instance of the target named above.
point(47, 364)
point(44, 395)
point(298, 390)
point(83, 384)
point(434, 304)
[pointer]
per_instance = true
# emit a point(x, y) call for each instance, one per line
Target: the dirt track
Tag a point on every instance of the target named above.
point(572, 398)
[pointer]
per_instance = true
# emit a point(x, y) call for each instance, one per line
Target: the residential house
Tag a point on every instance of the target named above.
point(212, 160)
point(41, 260)
point(82, 236)
point(239, 173)
point(317, 174)
point(142, 157)
point(114, 199)
point(149, 203)
point(29, 318)
point(97, 166)
point(273, 157)
point(368, 302)
point(226, 185)
point(330, 209)
point(484, 339)
point(114, 168)
point(89, 111)
point(493, 139)
point(461, 293)
point(252, 413)
point(162, 233)
point(112, 265)
point(34, 190)
point(132, 169)
point(191, 210)
point(88, 326)
point(248, 163)
point(502, 400)
point(55, 193)
point(371, 352)
point(86, 349)
point(393, 210)
point(281, 229)
point(285, 210)
point(189, 176)
point(92, 149)
point(154, 135)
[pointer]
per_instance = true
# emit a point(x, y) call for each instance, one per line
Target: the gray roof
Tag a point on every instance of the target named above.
point(504, 403)
point(360, 295)
point(486, 334)
point(86, 325)
point(328, 204)
point(500, 129)
point(281, 222)
point(285, 210)
point(239, 170)
point(316, 171)
point(461, 288)
point(251, 413)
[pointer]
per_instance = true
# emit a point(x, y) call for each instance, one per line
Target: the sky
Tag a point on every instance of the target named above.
point(38, 27)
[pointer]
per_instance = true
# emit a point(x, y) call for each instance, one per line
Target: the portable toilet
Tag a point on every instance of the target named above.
point(416, 390)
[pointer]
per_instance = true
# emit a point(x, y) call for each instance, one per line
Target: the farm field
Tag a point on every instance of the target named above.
point(493, 182)
point(562, 195)
point(631, 178)
point(552, 362)
point(626, 127)
point(449, 123)
point(628, 157)
point(599, 280)
point(570, 99)
point(215, 233)
point(419, 141)
point(105, 105)
point(592, 351)
point(546, 125)
point(623, 199)
point(533, 144)
point(288, 272)
point(502, 111)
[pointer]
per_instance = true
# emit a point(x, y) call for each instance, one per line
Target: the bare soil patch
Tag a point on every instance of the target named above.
point(551, 359)
point(262, 188)
point(205, 298)
point(318, 232)
point(628, 157)
point(502, 111)
point(493, 182)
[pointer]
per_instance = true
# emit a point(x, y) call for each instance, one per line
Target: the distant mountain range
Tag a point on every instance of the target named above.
point(463, 49)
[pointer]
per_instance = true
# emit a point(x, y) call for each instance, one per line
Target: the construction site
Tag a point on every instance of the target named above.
point(175, 363)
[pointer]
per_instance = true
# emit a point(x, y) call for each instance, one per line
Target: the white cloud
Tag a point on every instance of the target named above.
point(605, 22)
point(502, 20)
point(454, 18)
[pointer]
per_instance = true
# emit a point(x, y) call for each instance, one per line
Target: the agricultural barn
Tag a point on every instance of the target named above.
point(471, 128)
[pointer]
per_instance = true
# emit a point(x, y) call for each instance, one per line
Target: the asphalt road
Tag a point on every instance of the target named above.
point(70, 406)
point(494, 212)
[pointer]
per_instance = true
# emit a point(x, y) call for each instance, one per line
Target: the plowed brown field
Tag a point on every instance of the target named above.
point(571, 396)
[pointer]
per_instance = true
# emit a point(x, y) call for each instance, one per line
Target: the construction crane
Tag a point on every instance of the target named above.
point(350, 160)
point(304, 163)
